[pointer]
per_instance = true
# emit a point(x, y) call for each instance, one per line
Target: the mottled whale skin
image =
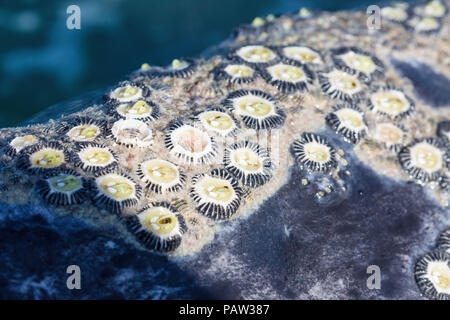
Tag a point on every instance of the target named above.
point(290, 242)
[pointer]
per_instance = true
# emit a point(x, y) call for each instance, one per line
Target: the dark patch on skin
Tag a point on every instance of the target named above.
point(430, 86)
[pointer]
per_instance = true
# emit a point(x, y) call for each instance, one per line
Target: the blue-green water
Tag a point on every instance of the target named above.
point(42, 62)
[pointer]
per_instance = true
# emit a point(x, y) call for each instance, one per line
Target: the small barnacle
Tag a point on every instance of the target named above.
point(249, 163)
point(432, 274)
point(64, 187)
point(94, 158)
point(443, 242)
point(349, 121)
point(304, 13)
point(434, 8)
point(217, 194)
point(254, 54)
point(426, 25)
point(127, 91)
point(341, 85)
point(131, 132)
point(314, 152)
point(191, 144)
point(43, 157)
point(159, 226)
point(140, 110)
point(84, 129)
point(19, 143)
point(391, 102)
point(423, 159)
point(219, 121)
point(161, 176)
point(257, 109)
point(116, 191)
point(235, 73)
point(179, 68)
point(300, 54)
point(358, 61)
point(288, 78)
point(390, 135)
point(396, 14)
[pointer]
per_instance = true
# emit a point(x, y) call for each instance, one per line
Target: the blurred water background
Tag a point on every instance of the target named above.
point(43, 63)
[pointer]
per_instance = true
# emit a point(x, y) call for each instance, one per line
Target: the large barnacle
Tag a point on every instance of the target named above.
point(249, 163)
point(140, 110)
point(390, 135)
point(235, 73)
point(356, 60)
point(314, 152)
point(127, 91)
point(17, 144)
point(94, 158)
point(158, 226)
point(254, 54)
point(63, 187)
point(349, 121)
point(341, 85)
point(217, 120)
point(84, 129)
point(300, 54)
point(288, 78)
point(391, 102)
point(423, 159)
point(432, 273)
point(189, 143)
point(43, 157)
point(257, 109)
point(131, 132)
point(161, 176)
point(217, 194)
point(116, 191)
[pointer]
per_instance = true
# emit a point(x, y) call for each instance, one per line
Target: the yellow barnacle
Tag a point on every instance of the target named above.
point(427, 24)
point(359, 62)
point(426, 156)
point(439, 275)
point(286, 73)
point(255, 106)
point(21, 142)
point(218, 189)
point(239, 70)
point(434, 9)
point(65, 183)
point(159, 220)
point(350, 118)
point(247, 159)
point(389, 133)
point(145, 66)
point(394, 14)
point(302, 54)
point(47, 158)
point(256, 54)
point(116, 187)
point(125, 92)
point(218, 120)
point(97, 157)
point(161, 171)
point(344, 81)
point(317, 152)
point(258, 22)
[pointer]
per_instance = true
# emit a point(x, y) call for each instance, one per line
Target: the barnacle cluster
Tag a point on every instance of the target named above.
point(174, 151)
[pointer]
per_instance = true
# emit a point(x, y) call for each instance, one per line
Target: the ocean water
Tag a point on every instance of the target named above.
point(42, 62)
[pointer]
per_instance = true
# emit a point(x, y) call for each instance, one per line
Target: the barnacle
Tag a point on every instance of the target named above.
point(349, 121)
point(249, 163)
point(217, 194)
point(189, 143)
point(179, 68)
point(161, 176)
point(444, 241)
point(423, 159)
point(159, 226)
point(314, 152)
point(116, 191)
point(19, 143)
point(356, 60)
point(140, 110)
point(396, 14)
point(391, 102)
point(257, 109)
point(43, 157)
point(434, 8)
point(341, 85)
point(63, 187)
point(254, 54)
point(84, 129)
point(131, 132)
point(216, 119)
point(127, 91)
point(235, 73)
point(390, 135)
point(425, 25)
point(300, 54)
point(432, 274)
point(288, 78)
point(93, 157)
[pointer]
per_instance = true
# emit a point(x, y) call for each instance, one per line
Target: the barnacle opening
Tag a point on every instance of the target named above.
point(432, 273)
point(394, 14)
point(301, 54)
point(132, 132)
point(239, 71)
point(161, 175)
point(127, 93)
point(390, 135)
point(314, 152)
point(427, 24)
point(341, 85)
point(359, 62)
point(288, 78)
point(434, 8)
point(348, 121)
point(47, 158)
point(19, 143)
point(95, 158)
point(218, 121)
point(256, 54)
point(391, 102)
point(141, 110)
